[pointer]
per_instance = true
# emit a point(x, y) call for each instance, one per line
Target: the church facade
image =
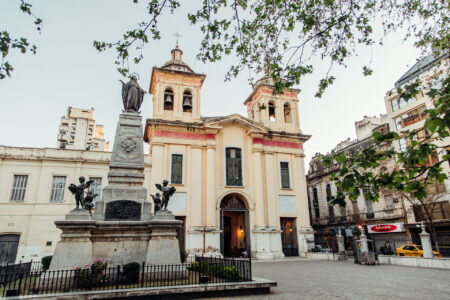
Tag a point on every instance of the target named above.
point(240, 181)
point(241, 185)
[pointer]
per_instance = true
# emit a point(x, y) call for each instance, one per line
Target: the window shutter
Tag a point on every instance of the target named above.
point(177, 169)
point(284, 167)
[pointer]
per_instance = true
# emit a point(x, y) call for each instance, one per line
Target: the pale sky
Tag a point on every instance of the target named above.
point(68, 71)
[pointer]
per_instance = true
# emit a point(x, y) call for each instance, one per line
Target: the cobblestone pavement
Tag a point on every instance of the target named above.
point(321, 279)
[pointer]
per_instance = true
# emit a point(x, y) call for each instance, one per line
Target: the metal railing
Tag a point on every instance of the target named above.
point(7, 270)
point(198, 270)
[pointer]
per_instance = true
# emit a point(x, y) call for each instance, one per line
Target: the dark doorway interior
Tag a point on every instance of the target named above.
point(235, 238)
point(8, 248)
point(234, 233)
point(289, 236)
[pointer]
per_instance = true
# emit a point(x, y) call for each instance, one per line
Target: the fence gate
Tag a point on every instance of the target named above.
point(8, 248)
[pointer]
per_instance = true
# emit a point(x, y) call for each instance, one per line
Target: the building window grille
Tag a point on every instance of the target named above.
point(176, 175)
point(58, 185)
point(96, 187)
point(233, 166)
point(168, 99)
point(19, 187)
point(284, 170)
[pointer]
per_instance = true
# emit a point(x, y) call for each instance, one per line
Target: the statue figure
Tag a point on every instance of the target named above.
point(89, 201)
point(132, 95)
point(167, 192)
point(157, 201)
point(78, 190)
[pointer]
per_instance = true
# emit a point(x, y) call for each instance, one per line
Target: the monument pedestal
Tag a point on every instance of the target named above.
point(163, 247)
point(75, 247)
point(122, 229)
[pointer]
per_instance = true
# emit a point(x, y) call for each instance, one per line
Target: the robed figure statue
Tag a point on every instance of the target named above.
point(132, 95)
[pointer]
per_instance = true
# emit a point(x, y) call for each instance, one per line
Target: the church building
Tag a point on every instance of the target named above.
point(240, 181)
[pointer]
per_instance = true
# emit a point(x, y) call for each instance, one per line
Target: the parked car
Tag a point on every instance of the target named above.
point(413, 250)
point(320, 248)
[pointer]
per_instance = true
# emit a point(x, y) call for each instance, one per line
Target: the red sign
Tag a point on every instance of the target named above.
point(380, 228)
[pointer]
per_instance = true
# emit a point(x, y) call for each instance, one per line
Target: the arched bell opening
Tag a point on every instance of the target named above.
point(187, 101)
point(272, 117)
point(287, 113)
point(234, 224)
point(168, 99)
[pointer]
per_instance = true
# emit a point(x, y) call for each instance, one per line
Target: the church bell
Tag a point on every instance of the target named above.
point(187, 103)
point(168, 99)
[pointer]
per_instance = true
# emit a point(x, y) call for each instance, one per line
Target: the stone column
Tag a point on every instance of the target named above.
point(196, 186)
point(271, 183)
point(258, 186)
point(340, 240)
point(305, 234)
point(363, 241)
point(426, 243)
point(211, 186)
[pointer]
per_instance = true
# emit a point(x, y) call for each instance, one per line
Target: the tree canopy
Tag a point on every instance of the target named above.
point(283, 34)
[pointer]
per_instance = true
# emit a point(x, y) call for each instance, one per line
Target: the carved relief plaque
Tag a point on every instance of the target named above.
point(121, 210)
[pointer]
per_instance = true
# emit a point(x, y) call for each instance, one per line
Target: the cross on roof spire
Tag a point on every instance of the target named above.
point(177, 35)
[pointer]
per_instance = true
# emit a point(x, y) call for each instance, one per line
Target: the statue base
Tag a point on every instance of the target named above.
point(163, 246)
point(117, 242)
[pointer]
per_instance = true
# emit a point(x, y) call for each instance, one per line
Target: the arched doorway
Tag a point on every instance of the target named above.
point(234, 223)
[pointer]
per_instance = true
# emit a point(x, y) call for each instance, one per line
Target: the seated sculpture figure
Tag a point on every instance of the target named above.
point(78, 190)
point(167, 192)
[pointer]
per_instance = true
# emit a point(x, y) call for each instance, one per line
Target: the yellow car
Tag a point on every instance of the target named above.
point(413, 250)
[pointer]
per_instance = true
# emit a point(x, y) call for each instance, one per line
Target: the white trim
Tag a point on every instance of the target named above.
point(289, 171)
point(183, 167)
point(225, 165)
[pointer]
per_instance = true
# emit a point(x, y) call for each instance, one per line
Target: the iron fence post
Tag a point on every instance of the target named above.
point(117, 278)
point(143, 272)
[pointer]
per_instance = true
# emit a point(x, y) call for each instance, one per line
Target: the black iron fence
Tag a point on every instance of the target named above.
point(7, 271)
point(199, 270)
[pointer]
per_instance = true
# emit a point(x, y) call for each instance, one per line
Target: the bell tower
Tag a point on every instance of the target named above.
point(176, 90)
point(279, 112)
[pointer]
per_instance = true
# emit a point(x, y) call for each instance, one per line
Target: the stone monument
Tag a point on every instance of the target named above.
point(123, 228)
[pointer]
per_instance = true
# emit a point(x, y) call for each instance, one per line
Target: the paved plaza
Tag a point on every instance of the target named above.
point(321, 279)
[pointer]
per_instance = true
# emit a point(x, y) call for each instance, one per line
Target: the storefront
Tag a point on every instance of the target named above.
point(392, 235)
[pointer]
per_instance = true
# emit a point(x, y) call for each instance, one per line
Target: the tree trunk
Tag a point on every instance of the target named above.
point(429, 218)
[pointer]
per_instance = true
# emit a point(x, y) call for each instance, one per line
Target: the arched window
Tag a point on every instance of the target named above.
point(187, 101)
point(168, 99)
point(330, 207)
point(272, 112)
point(328, 193)
point(252, 114)
point(287, 113)
point(316, 203)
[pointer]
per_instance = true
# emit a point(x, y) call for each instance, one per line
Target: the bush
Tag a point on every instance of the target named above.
point(131, 272)
point(45, 262)
point(230, 273)
point(93, 275)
